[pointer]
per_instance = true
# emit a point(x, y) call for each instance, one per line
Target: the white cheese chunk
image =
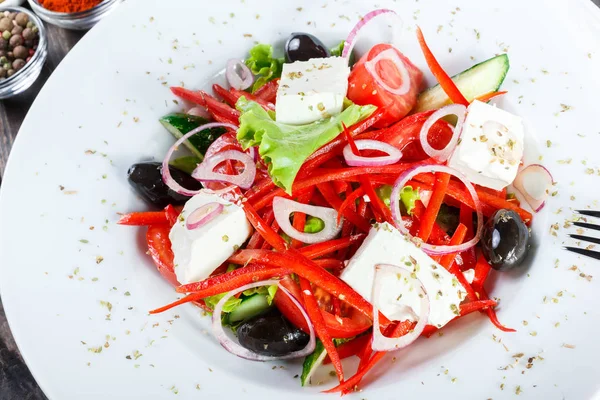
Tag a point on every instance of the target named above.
point(198, 252)
point(469, 275)
point(386, 245)
point(491, 146)
point(311, 90)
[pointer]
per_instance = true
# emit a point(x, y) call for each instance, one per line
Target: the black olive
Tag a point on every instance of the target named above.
point(146, 179)
point(271, 335)
point(505, 240)
point(304, 46)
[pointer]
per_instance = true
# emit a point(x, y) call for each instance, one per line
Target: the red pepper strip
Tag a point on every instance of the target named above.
point(257, 191)
point(482, 270)
point(268, 91)
point(349, 201)
point(327, 175)
point(189, 95)
point(497, 193)
point(438, 236)
point(401, 329)
point(488, 96)
point(171, 215)
point(229, 97)
point(457, 238)
point(333, 199)
point(330, 263)
point(471, 295)
point(442, 77)
point(314, 313)
point(221, 111)
point(256, 241)
point(249, 96)
point(159, 247)
point(328, 247)
point(466, 218)
point(465, 309)
point(379, 209)
point(492, 314)
point(493, 203)
point(351, 348)
point(224, 283)
point(437, 198)
point(147, 218)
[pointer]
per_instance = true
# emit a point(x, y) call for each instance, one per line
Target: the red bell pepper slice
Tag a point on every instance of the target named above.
point(268, 91)
point(224, 283)
point(220, 111)
point(351, 348)
point(144, 218)
point(482, 270)
point(459, 236)
point(171, 215)
point(435, 202)
point(225, 94)
point(159, 247)
point(492, 314)
point(442, 77)
point(333, 199)
point(488, 96)
point(465, 309)
point(401, 329)
point(189, 95)
point(438, 236)
point(249, 96)
point(328, 247)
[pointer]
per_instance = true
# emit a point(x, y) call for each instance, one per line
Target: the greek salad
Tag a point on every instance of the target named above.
point(330, 206)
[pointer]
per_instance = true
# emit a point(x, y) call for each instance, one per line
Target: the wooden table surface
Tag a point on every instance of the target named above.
point(16, 382)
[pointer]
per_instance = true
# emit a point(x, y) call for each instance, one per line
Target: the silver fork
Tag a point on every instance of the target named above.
point(586, 225)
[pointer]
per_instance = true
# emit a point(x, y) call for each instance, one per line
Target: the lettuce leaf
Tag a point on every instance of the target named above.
point(229, 306)
point(285, 147)
point(337, 50)
point(262, 63)
point(408, 196)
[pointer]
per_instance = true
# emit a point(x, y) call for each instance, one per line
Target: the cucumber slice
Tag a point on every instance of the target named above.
point(312, 362)
point(179, 124)
point(250, 307)
point(186, 164)
point(478, 80)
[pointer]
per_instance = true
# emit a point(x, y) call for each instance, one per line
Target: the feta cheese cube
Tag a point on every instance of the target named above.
point(311, 90)
point(491, 146)
point(386, 245)
point(198, 252)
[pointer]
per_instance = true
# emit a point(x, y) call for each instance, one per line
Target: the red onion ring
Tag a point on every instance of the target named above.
point(282, 208)
point(205, 171)
point(166, 174)
point(199, 112)
point(235, 348)
point(452, 109)
point(350, 41)
point(394, 155)
point(395, 206)
point(533, 183)
point(390, 55)
point(203, 215)
point(381, 342)
point(238, 74)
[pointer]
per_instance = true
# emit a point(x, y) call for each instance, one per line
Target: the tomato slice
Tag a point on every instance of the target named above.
point(404, 135)
point(338, 327)
point(363, 89)
point(159, 247)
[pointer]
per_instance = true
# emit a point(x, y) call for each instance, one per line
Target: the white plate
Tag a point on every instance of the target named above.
point(107, 96)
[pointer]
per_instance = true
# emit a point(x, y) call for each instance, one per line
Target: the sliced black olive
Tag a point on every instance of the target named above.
point(304, 46)
point(505, 240)
point(271, 335)
point(146, 179)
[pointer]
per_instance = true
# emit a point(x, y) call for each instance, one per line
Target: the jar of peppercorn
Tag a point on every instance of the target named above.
point(23, 50)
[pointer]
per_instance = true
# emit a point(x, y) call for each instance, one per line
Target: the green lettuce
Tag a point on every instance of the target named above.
point(408, 196)
point(285, 147)
point(262, 63)
point(229, 306)
point(337, 50)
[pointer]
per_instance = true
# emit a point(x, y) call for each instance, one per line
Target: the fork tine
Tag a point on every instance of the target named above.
point(587, 225)
point(589, 212)
point(586, 238)
point(589, 253)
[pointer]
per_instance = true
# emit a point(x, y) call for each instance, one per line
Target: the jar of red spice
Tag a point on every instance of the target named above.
point(73, 14)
